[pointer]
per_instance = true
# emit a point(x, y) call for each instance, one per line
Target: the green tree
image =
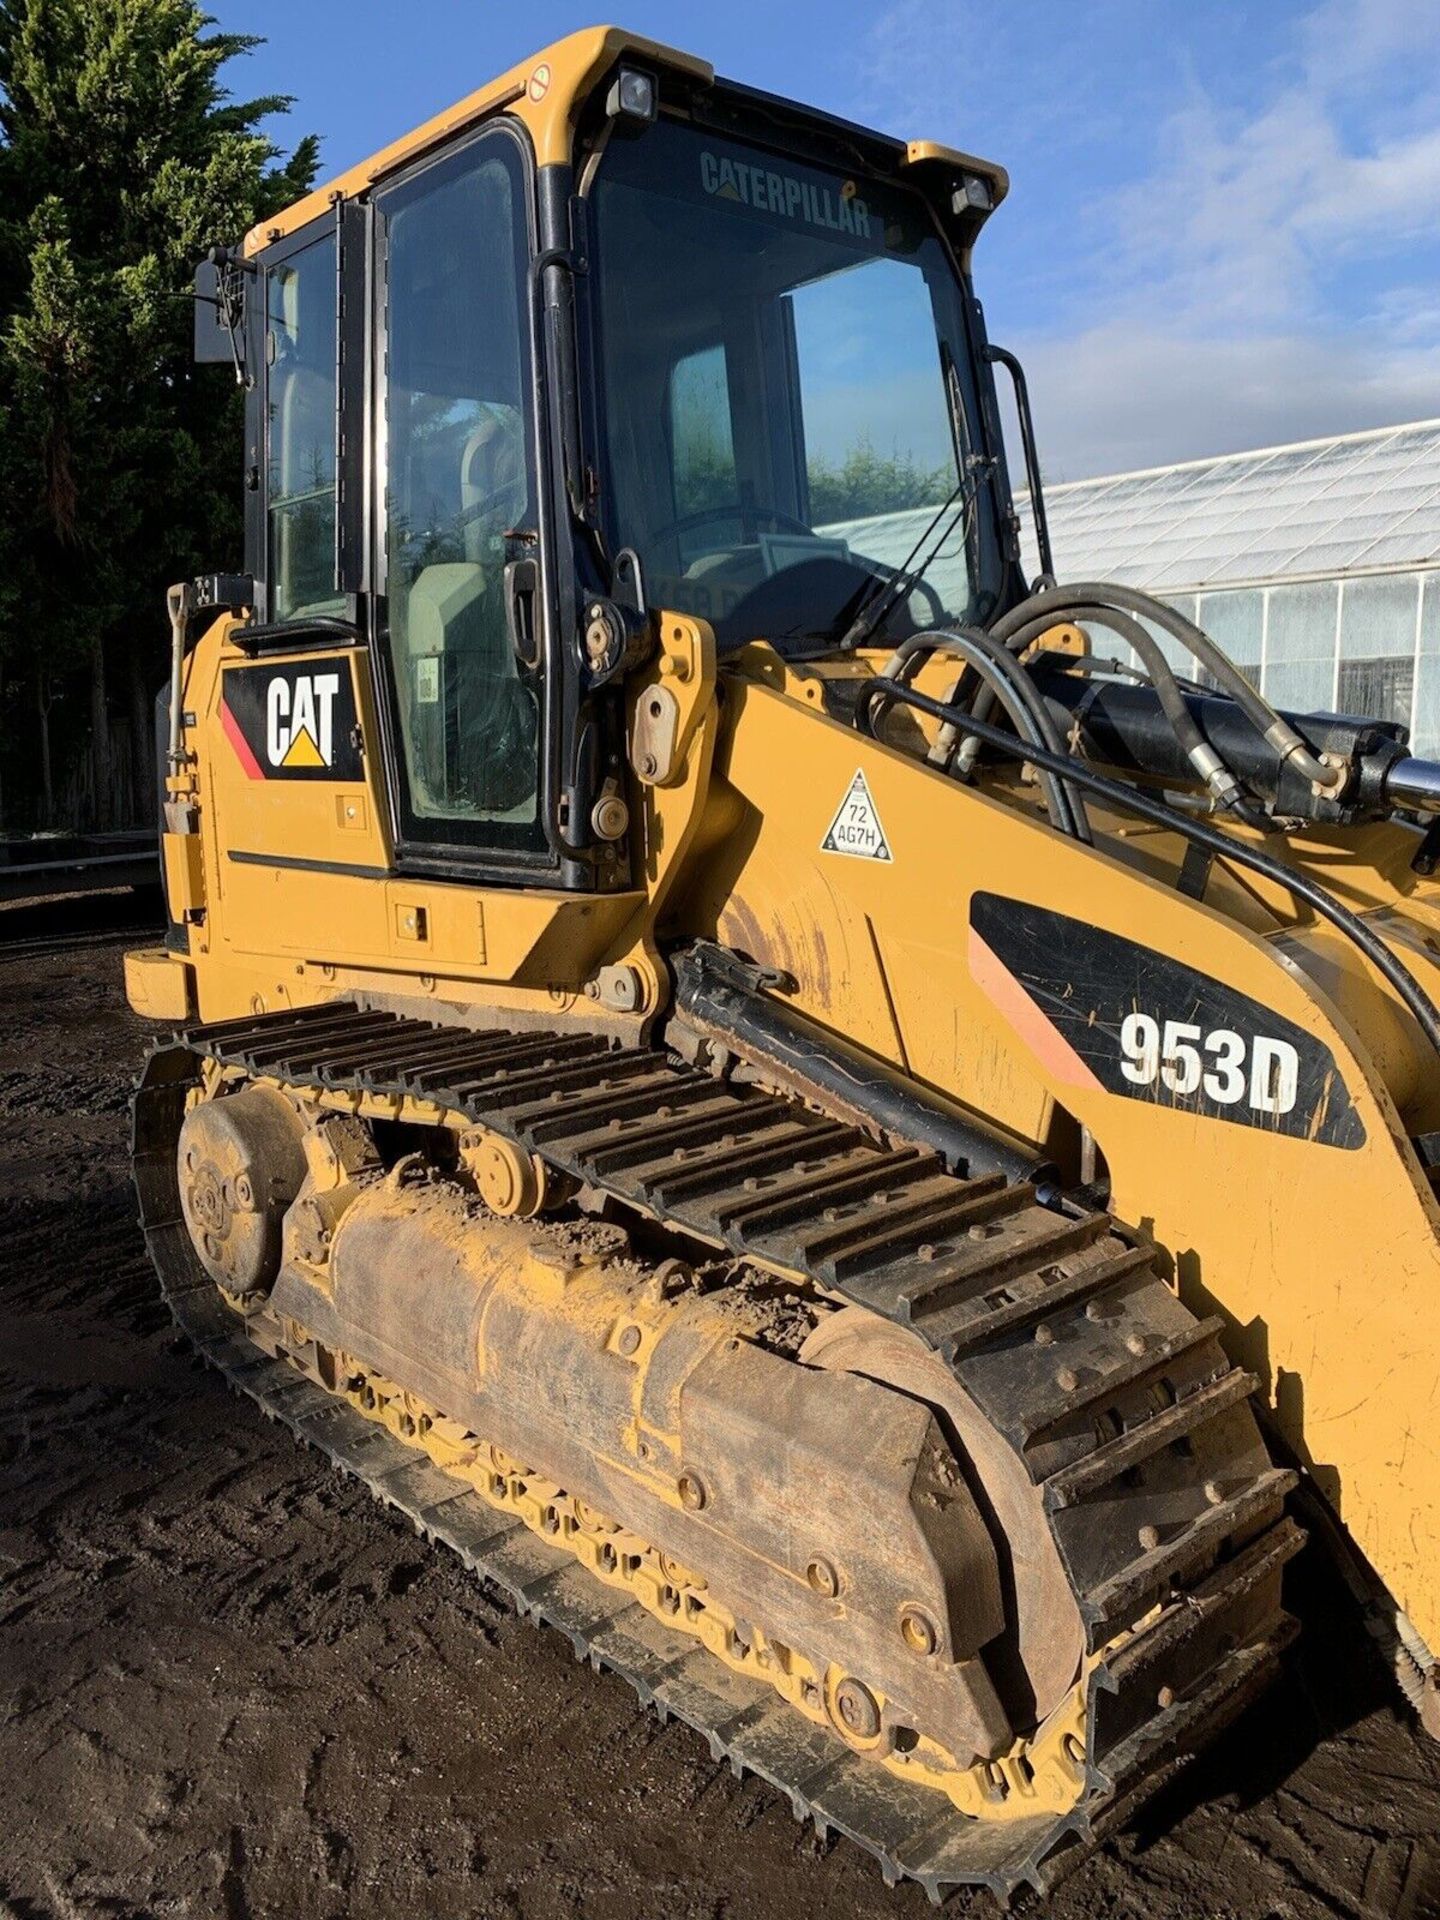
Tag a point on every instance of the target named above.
point(122, 157)
point(867, 482)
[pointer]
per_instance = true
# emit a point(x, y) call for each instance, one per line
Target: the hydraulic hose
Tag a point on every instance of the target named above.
point(999, 683)
point(1015, 693)
point(1272, 727)
point(1098, 666)
point(977, 648)
point(1209, 767)
point(961, 640)
point(944, 753)
point(1223, 669)
point(973, 644)
point(1393, 971)
point(1046, 606)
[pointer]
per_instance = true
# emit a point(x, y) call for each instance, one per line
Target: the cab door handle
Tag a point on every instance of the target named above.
point(522, 584)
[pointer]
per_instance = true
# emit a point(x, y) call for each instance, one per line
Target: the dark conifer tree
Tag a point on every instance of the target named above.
point(122, 157)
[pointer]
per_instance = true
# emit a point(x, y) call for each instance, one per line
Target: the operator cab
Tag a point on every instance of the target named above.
point(723, 360)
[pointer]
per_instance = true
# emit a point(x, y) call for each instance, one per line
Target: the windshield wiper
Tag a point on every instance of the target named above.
point(862, 624)
point(893, 593)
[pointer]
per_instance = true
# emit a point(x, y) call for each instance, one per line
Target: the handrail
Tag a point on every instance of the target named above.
point(309, 634)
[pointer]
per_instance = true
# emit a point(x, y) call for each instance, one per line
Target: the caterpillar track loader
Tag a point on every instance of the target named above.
point(846, 1148)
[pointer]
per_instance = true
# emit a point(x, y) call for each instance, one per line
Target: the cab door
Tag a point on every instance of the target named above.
point(456, 502)
point(381, 726)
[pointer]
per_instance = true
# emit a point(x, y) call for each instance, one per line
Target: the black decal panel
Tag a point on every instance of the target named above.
point(294, 721)
point(1143, 1025)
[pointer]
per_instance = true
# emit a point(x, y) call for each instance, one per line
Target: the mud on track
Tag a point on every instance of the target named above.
point(230, 1685)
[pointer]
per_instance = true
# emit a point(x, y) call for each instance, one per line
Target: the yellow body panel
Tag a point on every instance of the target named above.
point(180, 855)
point(1323, 1261)
point(302, 902)
point(159, 985)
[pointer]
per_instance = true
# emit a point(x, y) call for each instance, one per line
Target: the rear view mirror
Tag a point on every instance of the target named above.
point(220, 312)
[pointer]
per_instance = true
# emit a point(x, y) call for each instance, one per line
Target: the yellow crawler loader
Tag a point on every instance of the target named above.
point(842, 1123)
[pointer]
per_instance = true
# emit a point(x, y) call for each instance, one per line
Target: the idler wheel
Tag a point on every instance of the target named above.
point(1036, 1662)
point(241, 1164)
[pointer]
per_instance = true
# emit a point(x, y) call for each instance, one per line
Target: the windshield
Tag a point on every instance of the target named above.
point(786, 393)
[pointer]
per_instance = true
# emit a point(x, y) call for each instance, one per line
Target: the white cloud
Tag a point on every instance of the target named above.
point(1409, 317)
point(1381, 198)
point(1247, 217)
point(1269, 272)
point(1122, 395)
point(1343, 40)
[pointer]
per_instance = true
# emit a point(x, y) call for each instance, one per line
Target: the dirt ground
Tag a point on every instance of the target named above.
point(230, 1685)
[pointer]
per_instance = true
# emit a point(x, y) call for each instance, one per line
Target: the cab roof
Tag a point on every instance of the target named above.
point(547, 93)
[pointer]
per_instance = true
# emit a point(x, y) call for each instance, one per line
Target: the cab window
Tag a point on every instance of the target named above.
point(788, 430)
point(459, 496)
point(702, 440)
point(300, 408)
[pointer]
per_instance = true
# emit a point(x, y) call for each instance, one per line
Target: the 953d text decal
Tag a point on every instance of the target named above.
point(1104, 1011)
point(1230, 1068)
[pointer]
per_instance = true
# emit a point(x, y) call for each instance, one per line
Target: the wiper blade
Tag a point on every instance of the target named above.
point(858, 626)
point(892, 594)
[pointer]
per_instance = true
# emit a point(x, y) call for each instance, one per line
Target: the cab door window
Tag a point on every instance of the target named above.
point(300, 407)
point(459, 497)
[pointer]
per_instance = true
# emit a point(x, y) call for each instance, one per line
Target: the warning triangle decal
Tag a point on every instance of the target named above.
point(303, 751)
point(856, 828)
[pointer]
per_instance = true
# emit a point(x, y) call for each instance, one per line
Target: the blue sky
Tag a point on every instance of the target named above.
point(1224, 221)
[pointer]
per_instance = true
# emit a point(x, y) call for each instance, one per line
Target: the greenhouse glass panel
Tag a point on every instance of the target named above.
point(1328, 556)
point(1249, 671)
point(1430, 615)
point(1254, 562)
point(1302, 623)
point(1402, 546)
point(1378, 689)
point(1236, 621)
point(1370, 501)
point(1425, 728)
point(1377, 619)
point(1306, 686)
point(1175, 651)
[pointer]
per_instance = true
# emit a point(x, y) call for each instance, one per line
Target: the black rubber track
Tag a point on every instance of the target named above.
point(1162, 1500)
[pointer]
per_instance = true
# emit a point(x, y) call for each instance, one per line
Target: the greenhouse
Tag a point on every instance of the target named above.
point(1316, 566)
